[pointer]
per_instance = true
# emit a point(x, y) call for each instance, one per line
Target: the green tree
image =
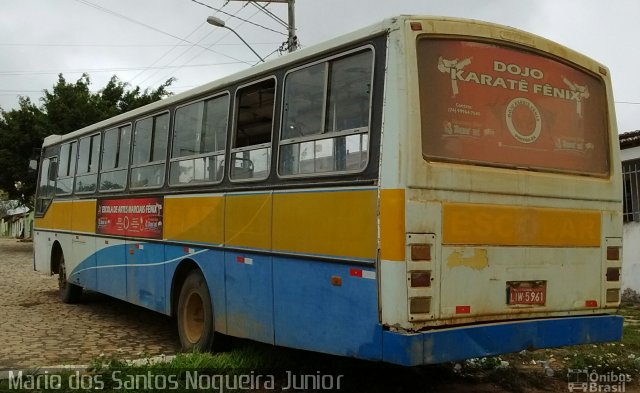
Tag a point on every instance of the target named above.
point(66, 107)
point(21, 133)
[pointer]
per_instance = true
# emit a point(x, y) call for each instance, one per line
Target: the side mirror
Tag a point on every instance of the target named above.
point(34, 159)
point(33, 165)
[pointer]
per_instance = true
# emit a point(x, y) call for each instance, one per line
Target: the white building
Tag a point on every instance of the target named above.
point(17, 223)
point(630, 155)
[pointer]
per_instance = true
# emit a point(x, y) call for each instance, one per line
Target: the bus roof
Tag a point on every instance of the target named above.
point(507, 33)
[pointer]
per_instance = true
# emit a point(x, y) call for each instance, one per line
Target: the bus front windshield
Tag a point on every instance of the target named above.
point(488, 104)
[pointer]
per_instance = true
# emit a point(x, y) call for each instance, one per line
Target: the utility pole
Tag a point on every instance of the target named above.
point(292, 39)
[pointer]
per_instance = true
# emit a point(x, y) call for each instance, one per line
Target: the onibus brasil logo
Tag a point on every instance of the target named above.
point(585, 380)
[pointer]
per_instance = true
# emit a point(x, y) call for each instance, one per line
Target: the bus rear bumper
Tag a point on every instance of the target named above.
point(445, 345)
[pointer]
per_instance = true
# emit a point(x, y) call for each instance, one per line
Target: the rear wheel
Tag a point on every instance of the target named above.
point(69, 293)
point(195, 314)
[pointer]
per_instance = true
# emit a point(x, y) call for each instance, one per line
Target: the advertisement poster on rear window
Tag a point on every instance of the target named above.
point(138, 217)
point(496, 105)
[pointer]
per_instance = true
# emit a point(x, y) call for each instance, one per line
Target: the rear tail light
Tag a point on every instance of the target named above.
point(420, 252)
point(463, 309)
point(613, 274)
point(591, 303)
point(420, 305)
point(420, 279)
point(613, 268)
point(613, 295)
point(613, 253)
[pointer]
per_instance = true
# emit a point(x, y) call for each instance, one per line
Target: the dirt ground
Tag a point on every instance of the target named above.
point(37, 330)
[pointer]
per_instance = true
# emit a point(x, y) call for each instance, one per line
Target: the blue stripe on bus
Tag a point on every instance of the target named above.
point(311, 313)
point(324, 307)
point(283, 300)
point(249, 289)
point(446, 345)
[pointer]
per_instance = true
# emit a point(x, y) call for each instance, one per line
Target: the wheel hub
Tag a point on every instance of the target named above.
point(193, 317)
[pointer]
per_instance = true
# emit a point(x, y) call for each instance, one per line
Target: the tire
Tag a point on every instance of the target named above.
point(69, 293)
point(195, 314)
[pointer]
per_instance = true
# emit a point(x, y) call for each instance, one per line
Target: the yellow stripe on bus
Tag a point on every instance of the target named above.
point(78, 216)
point(248, 221)
point(195, 219)
point(340, 223)
point(392, 229)
point(84, 216)
point(331, 223)
point(493, 225)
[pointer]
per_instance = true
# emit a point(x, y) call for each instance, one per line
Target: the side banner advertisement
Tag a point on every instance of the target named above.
point(487, 103)
point(135, 217)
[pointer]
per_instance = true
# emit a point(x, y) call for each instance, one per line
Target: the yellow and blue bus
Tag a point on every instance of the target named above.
point(418, 191)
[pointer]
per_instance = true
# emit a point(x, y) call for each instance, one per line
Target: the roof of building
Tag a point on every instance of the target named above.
point(629, 139)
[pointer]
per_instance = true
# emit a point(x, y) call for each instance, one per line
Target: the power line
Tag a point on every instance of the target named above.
point(273, 16)
point(201, 52)
point(108, 11)
point(174, 47)
point(269, 55)
point(237, 17)
point(627, 102)
point(98, 70)
point(188, 49)
point(21, 91)
point(166, 53)
point(125, 45)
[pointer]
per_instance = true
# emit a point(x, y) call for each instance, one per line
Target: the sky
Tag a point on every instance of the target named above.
point(145, 42)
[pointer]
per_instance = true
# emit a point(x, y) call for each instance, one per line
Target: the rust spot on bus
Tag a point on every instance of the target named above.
point(477, 260)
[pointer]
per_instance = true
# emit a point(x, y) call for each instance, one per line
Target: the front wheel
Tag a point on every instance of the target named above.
point(69, 293)
point(195, 314)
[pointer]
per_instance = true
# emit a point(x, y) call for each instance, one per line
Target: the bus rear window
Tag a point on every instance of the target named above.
point(487, 104)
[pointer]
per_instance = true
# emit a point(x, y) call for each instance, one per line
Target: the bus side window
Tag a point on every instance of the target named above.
point(251, 147)
point(199, 140)
point(88, 158)
point(115, 158)
point(47, 183)
point(66, 168)
point(149, 151)
point(327, 108)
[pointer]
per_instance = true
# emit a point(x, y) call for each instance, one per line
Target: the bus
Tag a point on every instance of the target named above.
point(422, 190)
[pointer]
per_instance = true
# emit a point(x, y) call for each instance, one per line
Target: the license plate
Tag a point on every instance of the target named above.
point(530, 293)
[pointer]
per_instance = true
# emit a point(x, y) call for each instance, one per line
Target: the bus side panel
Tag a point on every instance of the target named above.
point(42, 251)
point(327, 307)
point(249, 287)
point(82, 223)
point(82, 253)
point(339, 223)
point(211, 263)
point(56, 218)
point(145, 275)
point(111, 264)
point(248, 276)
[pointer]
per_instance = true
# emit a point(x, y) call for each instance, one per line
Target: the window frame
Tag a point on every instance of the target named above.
point(150, 163)
point(126, 168)
point(631, 204)
point(200, 155)
point(333, 134)
point(234, 123)
point(38, 210)
point(75, 168)
point(99, 163)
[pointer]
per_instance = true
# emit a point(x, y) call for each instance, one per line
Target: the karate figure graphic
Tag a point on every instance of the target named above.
point(580, 93)
point(452, 67)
